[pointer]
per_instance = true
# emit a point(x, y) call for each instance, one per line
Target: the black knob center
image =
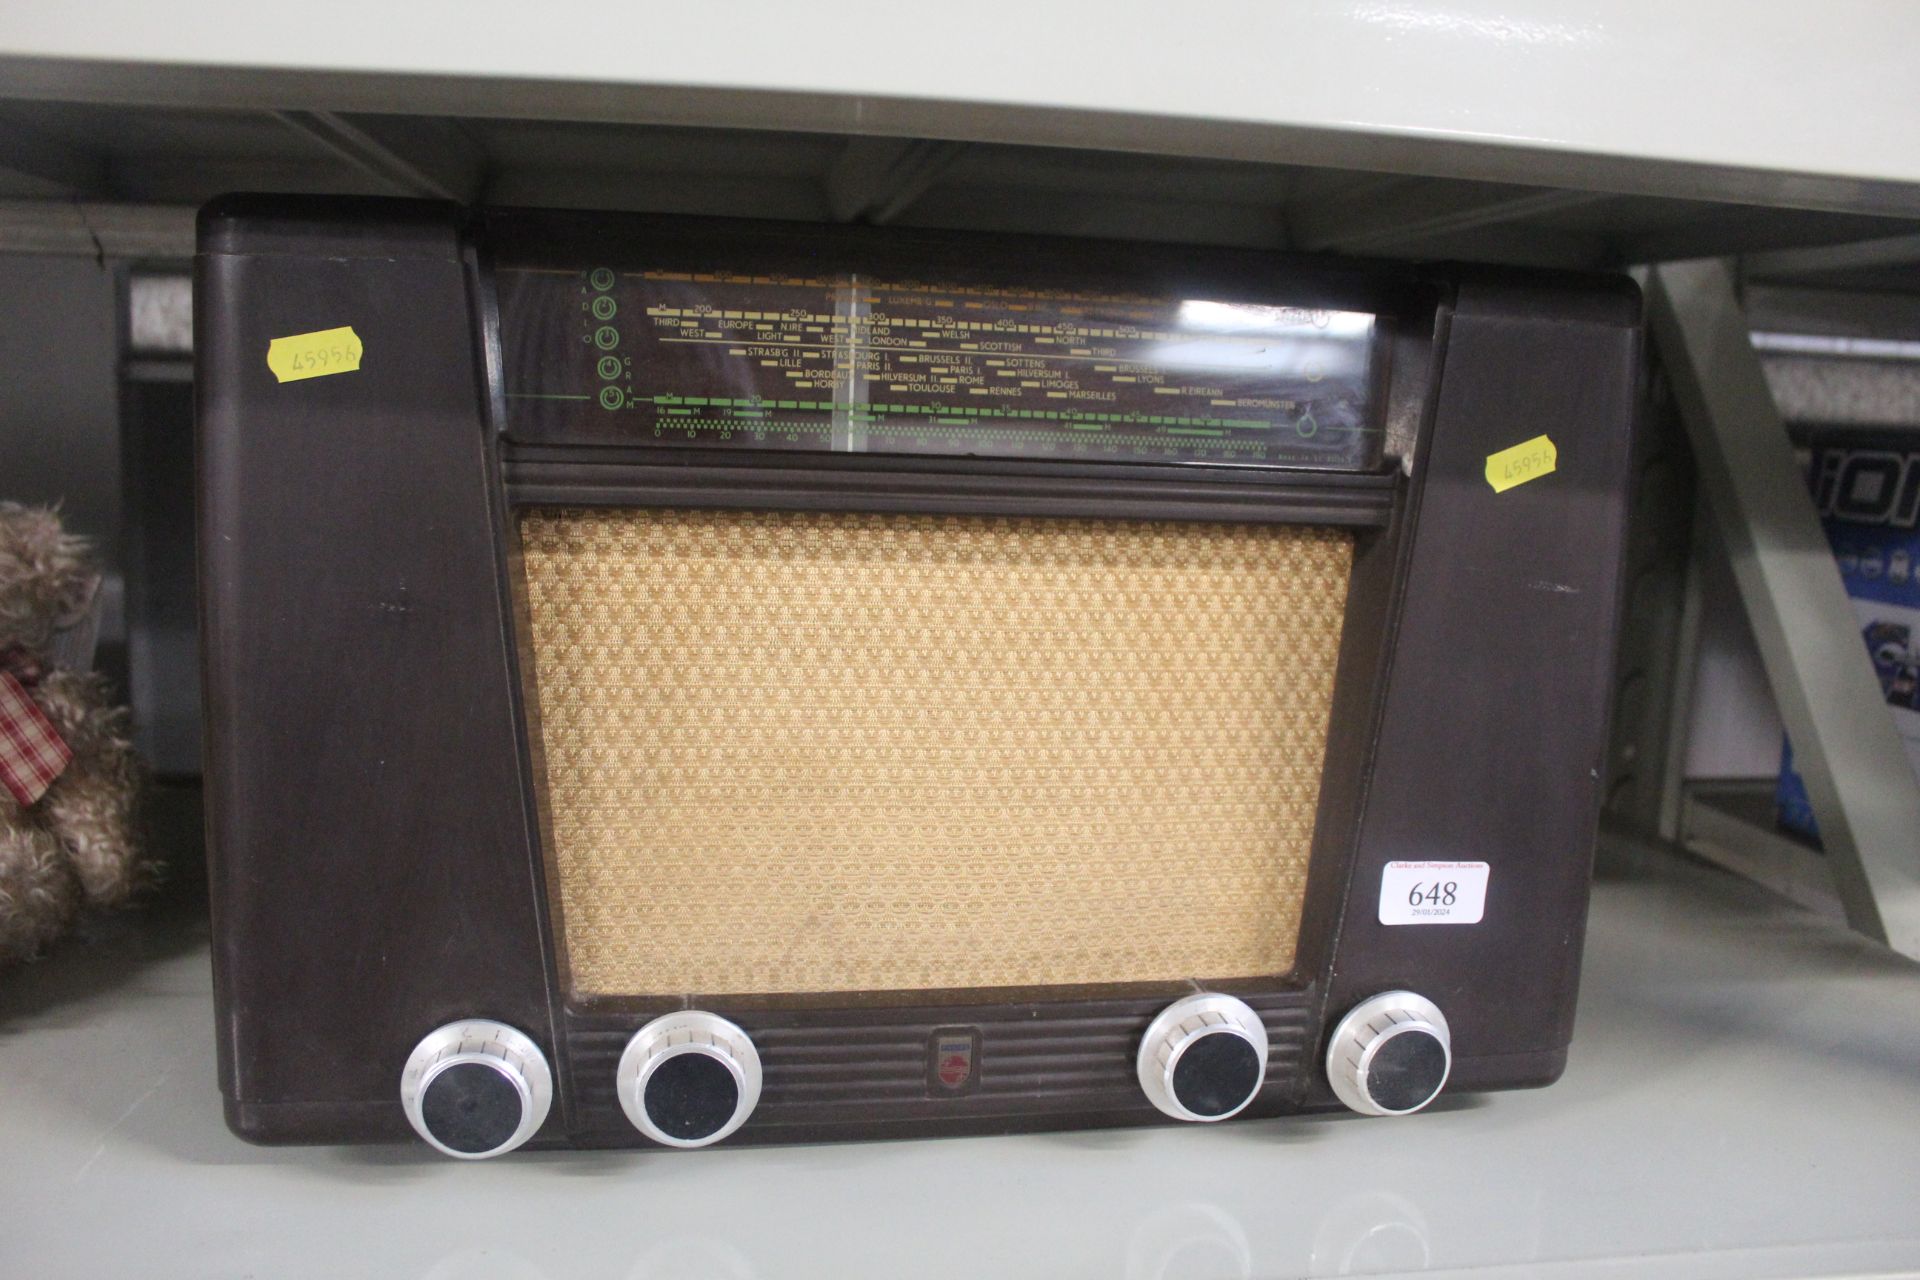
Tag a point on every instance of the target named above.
point(1407, 1070)
point(471, 1107)
point(691, 1096)
point(1216, 1074)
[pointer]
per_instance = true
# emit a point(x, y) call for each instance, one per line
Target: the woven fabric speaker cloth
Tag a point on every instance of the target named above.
point(832, 752)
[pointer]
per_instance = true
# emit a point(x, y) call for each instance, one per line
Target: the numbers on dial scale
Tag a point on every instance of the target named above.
point(1438, 894)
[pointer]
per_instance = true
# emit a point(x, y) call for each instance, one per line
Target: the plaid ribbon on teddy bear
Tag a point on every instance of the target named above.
point(32, 753)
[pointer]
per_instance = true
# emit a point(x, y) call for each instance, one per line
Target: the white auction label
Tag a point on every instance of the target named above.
point(1433, 892)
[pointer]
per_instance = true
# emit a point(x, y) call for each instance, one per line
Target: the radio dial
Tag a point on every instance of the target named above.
point(1203, 1057)
point(475, 1089)
point(689, 1079)
point(1391, 1055)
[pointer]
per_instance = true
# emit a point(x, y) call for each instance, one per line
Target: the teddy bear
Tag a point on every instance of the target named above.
point(69, 779)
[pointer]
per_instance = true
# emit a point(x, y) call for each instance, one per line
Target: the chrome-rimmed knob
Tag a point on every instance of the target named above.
point(1203, 1057)
point(689, 1079)
point(476, 1088)
point(1391, 1054)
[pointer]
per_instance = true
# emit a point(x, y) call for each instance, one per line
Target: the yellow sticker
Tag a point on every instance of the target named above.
point(314, 355)
point(1523, 462)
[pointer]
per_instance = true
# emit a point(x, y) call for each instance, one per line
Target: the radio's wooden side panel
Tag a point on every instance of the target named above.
point(1494, 721)
point(369, 843)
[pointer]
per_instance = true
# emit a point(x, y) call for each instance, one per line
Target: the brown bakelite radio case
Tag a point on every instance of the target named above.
point(677, 680)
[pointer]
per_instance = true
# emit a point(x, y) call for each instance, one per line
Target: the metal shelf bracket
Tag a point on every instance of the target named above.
point(1864, 794)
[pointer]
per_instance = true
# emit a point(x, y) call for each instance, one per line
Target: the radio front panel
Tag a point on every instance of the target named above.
point(815, 682)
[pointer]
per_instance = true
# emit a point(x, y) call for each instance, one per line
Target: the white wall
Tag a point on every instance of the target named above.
point(1734, 729)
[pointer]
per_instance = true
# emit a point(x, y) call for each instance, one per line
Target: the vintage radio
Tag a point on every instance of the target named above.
point(672, 680)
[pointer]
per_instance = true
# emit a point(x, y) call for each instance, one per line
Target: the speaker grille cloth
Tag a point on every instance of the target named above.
point(804, 752)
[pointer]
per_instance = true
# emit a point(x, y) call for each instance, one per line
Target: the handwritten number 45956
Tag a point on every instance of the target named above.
point(320, 358)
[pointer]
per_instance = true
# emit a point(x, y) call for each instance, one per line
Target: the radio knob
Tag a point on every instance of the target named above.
point(475, 1089)
point(1203, 1057)
point(1390, 1055)
point(689, 1079)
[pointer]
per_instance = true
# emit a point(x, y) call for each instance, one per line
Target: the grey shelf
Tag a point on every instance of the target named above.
point(1537, 137)
point(1742, 1102)
point(1730, 822)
